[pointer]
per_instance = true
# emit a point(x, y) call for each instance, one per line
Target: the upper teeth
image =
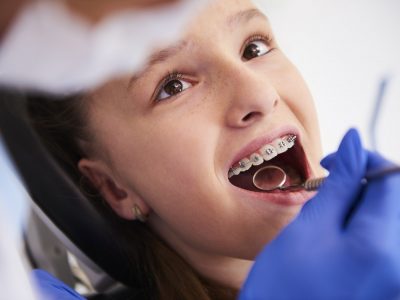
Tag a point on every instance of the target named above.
point(265, 153)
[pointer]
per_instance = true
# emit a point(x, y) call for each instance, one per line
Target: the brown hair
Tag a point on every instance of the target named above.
point(156, 268)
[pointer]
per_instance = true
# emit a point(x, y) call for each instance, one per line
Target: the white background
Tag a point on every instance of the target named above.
point(343, 49)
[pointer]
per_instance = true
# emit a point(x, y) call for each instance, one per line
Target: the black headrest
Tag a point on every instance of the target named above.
point(55, 195)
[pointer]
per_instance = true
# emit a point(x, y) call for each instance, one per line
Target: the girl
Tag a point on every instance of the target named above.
point(167, 154)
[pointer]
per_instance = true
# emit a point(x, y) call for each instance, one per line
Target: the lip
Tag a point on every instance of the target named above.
point(280, 198)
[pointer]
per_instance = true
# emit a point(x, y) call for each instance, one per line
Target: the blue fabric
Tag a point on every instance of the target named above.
point(13, 199)
point(345, 243)
point(53, 289)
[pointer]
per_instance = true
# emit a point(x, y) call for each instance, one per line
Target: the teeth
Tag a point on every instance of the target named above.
point(265, 153)
point(236, 171)
point(290, 140)
point(256, 159)
point(280, 145)
point(245, 164)
point(268, 152)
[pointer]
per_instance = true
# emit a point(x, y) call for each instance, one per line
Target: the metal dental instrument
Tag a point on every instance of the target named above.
point(271, 178)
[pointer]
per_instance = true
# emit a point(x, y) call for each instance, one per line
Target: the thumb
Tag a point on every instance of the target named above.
point(380, 208)
point(347, 168)
point(349, 161)
point(328, 161)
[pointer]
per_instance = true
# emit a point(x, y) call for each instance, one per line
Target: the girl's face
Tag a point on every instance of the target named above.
point(166, 138)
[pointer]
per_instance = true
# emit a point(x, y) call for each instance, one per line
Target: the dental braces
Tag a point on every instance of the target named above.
point(258, 157)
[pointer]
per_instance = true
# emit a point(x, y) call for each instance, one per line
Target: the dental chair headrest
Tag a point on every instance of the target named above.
point(84, 231)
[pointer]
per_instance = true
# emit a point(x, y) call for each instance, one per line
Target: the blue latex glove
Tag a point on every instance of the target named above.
point(345, 243)
point(53, 289)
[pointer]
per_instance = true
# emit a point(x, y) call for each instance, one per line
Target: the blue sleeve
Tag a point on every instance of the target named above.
point(52, 288)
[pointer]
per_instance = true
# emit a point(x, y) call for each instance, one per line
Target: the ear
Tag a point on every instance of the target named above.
point(121, 199)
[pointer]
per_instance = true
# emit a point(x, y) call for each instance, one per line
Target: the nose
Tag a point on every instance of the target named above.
point(252, 97)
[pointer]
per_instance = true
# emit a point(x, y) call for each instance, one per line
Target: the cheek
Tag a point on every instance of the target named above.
point(295, 93)
point(166, 157)
point(296, 96)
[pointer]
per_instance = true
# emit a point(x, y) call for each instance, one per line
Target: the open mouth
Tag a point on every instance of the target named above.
point(285, 152)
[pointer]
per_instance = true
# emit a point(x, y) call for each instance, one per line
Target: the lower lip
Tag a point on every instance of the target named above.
point(293, 198)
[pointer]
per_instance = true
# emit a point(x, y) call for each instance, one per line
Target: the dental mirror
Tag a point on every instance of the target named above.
point(269, 178)
point(272, 178)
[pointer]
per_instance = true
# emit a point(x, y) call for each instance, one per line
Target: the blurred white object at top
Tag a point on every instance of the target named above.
point(52, 49)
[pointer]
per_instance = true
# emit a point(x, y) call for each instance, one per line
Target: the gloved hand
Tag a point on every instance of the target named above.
point(53, 289)
point(344, 244)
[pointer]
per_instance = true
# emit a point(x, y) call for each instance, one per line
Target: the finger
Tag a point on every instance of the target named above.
point(377, 162)
point(328, 161)
point(349, 161)
point(342, 186)
point(380, 208)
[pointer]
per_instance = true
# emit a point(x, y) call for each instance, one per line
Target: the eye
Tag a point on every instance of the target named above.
point(173, 85)
point(256, 47)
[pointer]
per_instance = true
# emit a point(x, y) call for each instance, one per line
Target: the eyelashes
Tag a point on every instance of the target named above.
point(266, 38)
point(172, 84)
point(255, 46)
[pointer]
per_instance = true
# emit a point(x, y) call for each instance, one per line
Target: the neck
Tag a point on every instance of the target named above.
point(226, 271)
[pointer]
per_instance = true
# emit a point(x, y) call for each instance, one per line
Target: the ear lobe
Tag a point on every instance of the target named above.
point(118, 198)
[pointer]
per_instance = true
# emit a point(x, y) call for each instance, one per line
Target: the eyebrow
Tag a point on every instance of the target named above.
point(166, 53)
point(157, 58)
point(161, 56)
point(245, 16)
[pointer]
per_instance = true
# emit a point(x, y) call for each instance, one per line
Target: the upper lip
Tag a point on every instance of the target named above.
point(258, 142)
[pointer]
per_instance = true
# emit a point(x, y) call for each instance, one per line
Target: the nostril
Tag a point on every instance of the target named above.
point(275, 104)
point(249, 116)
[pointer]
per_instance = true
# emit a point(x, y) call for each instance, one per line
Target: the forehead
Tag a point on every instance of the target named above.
point(224, 14)
point(218, 16)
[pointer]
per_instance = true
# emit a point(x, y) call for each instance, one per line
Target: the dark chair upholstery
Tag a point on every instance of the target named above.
point(59, 203)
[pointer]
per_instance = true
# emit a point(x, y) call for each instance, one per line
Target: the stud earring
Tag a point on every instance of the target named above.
point(138, 214)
